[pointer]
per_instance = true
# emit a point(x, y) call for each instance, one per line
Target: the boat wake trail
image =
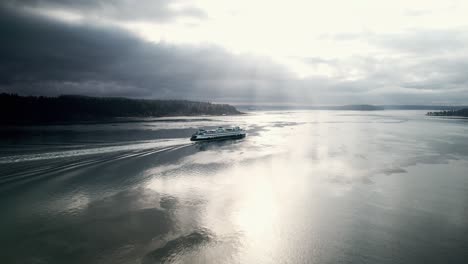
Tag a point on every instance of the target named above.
point(27, 167)
point(95, 150)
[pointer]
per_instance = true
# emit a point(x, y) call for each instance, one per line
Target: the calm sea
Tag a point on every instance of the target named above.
point(302, 187)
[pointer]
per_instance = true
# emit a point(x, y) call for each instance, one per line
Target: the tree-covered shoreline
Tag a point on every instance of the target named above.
point(15, 109)
point(460, 113)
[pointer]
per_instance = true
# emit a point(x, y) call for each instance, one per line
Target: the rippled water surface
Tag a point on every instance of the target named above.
point(302, 187)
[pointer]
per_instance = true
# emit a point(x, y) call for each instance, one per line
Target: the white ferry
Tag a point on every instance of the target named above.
point(220, 133)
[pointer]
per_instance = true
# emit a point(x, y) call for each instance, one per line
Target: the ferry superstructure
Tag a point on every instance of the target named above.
point(219, 133)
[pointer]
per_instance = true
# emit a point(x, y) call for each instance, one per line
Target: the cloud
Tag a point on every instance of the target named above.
point(43, 56)
point(427, 42)
point(416, 65)
point(124, 10)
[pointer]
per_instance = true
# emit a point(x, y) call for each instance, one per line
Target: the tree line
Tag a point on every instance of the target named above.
point(461, 112)
point(15, 109)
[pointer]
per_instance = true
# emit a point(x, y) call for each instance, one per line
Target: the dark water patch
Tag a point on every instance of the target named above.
point(177, 247)
point(185, 120)
point(92, 235)
point(389, 171)
point(287, 124)
point(168, 202)
point(458, 145)
point(428, 159)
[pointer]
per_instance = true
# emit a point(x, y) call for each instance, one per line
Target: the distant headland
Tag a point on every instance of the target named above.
point(355, 107)
point(15, 109)
point(457, 113)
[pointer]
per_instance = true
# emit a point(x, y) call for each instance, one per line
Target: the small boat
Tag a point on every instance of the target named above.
point(219, 133)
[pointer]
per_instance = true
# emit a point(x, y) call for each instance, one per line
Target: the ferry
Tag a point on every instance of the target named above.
point(219, 133)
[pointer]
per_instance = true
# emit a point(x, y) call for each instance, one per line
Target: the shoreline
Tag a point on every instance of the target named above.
point(121, 120)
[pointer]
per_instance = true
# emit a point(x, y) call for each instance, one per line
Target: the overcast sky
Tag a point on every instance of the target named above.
point(289, 52)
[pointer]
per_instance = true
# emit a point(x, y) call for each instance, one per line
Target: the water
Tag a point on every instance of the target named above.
point(302, 187)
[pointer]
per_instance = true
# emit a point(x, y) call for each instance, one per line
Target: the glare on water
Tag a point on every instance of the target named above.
point(302, 187)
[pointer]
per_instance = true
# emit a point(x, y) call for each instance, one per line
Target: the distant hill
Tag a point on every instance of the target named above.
point(358, 107)
point(361, 107)
point(422, 107)
point(461, 112)
point(16, 109)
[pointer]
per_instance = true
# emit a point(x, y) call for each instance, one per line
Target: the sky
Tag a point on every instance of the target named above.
point(253, 52)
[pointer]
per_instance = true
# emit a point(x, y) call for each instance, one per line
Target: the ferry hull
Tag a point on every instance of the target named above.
point(207, 138)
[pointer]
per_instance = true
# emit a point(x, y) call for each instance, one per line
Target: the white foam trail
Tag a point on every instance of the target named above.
point(25, 175)
point(153, 144)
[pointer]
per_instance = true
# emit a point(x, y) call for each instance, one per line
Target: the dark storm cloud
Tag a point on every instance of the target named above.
point(149, 10)
point(42, 56)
